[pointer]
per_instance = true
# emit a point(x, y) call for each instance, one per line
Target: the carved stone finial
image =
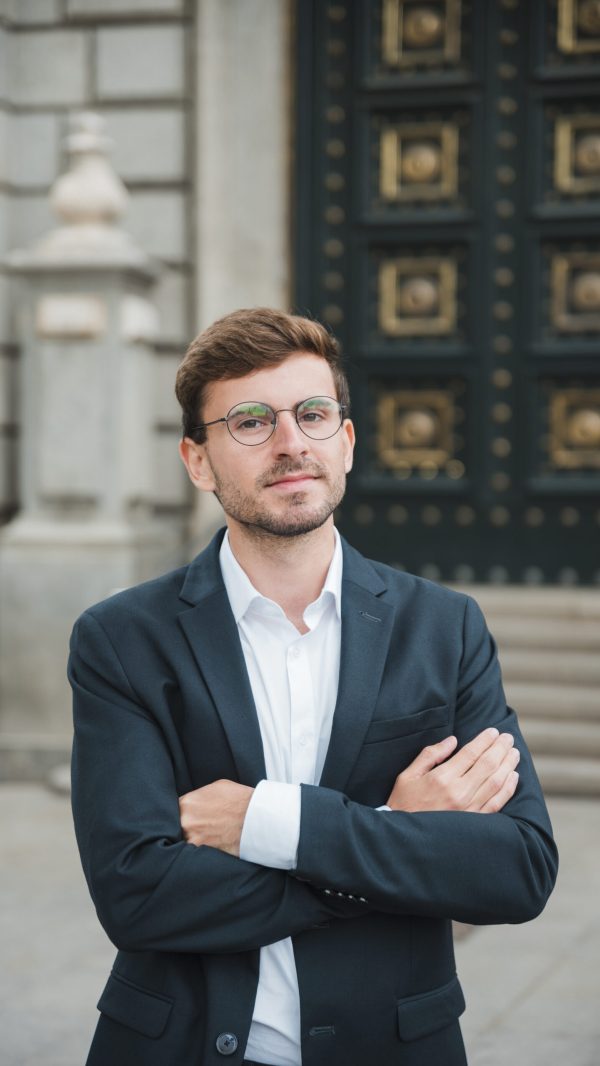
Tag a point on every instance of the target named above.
point(89, 200)
point(90, 192)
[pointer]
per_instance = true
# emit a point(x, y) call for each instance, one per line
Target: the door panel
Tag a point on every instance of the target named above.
point(448, 230)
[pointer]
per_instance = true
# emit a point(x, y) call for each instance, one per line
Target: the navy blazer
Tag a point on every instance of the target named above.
point(163, 705)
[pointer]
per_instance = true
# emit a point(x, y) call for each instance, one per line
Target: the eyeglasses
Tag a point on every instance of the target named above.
point(252, 423)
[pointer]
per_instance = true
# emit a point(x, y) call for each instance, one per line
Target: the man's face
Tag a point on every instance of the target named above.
point(289, 485)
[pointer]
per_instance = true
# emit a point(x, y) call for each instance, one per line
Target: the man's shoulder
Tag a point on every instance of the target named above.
point(160, 598)
point(155, 598)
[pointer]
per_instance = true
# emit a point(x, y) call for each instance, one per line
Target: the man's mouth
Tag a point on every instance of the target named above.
point(293, 480)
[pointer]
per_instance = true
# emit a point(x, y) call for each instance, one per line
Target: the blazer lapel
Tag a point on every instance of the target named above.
point(214, 640)
point(366, 629)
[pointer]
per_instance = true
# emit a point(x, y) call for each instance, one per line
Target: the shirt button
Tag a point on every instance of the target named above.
point(226, 1043)
point(295, 652)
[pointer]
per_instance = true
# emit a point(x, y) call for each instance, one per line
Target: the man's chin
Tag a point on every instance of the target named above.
point(287, 526)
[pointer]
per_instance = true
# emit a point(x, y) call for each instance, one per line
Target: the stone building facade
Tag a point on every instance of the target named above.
point(195, 98)
point(99, 299)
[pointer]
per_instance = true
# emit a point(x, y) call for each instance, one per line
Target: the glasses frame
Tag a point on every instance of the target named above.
point(293, 410)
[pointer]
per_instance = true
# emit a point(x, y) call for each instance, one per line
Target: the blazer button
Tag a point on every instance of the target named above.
point(227, 1043)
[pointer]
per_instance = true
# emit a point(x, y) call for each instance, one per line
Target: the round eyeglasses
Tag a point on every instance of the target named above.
point(252, 423)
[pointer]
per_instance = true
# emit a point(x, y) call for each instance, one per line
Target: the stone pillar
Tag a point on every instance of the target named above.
point(86, 525)
point(244, 135)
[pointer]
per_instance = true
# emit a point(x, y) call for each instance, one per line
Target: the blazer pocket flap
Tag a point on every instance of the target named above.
point(426, 1013)
point(390, 728)
point(146, 1012)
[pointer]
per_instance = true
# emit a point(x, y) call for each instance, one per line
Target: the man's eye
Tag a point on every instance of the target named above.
point(250, 424)
point(312, 416)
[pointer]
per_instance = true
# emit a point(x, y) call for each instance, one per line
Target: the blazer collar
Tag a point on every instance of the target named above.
point(203, 576)
point(213, 637)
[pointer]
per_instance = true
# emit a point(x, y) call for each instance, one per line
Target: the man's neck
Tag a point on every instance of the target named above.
point(291, 571)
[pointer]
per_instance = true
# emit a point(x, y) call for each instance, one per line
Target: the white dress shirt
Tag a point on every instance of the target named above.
point(294, 681)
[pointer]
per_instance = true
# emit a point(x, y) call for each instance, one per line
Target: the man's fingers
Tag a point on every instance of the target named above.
point(488, 766)
point(479, 778)
point(471, 752)
point(481, 756)
point(431, 756)
point(494, 784)
point(497, 802)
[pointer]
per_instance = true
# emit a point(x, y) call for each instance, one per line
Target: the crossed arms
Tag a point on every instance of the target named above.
point(431, 855)
point(480, 778)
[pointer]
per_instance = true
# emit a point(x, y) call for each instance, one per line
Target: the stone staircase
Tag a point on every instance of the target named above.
point(549, 647)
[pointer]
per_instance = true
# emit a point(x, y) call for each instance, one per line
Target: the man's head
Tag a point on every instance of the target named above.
point(278, 468)
point(244, 341)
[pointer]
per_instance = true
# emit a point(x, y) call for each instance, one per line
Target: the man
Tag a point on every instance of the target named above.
point(292, 767)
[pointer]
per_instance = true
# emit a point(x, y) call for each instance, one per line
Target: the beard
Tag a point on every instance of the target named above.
point(294, 518)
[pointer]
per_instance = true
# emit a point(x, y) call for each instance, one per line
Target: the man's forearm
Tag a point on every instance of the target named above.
point(476, 867)
point(442, 864)
point(263, 824)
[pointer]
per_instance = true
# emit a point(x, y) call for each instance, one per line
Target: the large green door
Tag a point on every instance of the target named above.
point(448, 229)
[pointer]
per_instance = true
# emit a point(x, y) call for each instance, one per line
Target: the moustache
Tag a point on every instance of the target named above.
point(281, 470)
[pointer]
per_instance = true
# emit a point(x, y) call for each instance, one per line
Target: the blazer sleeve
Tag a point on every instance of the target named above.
point(151, 889)
point(475, 868)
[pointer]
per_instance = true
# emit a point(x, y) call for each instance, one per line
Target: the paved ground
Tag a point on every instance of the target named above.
point(533, 991)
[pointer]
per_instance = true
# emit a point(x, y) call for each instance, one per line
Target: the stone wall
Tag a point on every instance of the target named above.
point(131, 61)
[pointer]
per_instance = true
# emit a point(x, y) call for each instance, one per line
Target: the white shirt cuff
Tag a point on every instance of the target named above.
point(271, 829)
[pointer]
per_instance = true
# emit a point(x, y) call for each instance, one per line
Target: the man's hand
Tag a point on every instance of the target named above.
point(481, 777)
point(214, 815)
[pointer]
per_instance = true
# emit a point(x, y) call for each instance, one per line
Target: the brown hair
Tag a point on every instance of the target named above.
point(247, 340)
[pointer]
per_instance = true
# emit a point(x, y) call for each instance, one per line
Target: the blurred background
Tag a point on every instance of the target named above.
point(424, 177)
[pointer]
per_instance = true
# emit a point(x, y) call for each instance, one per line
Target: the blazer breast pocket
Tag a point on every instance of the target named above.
point(389, 746)
point(386, 729)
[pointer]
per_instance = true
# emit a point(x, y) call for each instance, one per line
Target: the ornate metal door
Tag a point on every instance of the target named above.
point(448, 229)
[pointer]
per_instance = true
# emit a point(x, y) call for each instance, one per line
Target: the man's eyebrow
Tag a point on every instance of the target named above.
point(251, 406)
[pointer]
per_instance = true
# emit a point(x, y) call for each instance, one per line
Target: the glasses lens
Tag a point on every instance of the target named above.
point(251, 423)
point(319, 417)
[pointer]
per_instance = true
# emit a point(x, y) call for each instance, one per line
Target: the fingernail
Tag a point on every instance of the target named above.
point(509, 737)
point(493, 732)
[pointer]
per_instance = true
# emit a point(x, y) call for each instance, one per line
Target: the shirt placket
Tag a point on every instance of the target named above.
point(302, 713)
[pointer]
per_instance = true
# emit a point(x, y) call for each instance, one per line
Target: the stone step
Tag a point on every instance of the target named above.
point(572, 702)
point(545, 633)
point(572, 739)
point(552, 666)
point(567, 776)
point(530, 602)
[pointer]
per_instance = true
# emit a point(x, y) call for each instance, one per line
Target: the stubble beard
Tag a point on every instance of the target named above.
point(294, 520)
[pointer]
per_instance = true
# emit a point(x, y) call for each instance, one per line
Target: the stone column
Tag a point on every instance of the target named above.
point(244, 136)
point(86, 525)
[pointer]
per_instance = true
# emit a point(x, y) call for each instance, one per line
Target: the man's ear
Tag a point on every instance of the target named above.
point(197, 464)
point(349, 439)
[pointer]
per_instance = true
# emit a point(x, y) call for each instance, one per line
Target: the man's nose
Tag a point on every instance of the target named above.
point(288, 438)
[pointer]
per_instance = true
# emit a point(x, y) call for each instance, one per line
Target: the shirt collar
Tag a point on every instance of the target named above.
point(242, 593)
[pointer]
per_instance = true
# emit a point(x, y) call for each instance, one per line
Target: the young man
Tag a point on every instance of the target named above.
point(292, 766)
